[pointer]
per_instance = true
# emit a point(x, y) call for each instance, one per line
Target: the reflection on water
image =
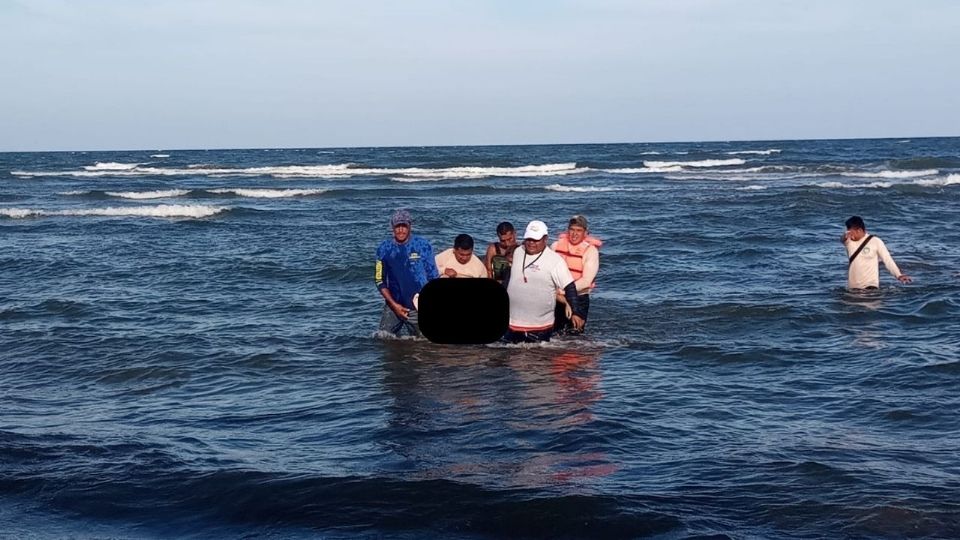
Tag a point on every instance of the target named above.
point(500, 417)
point(871, 299)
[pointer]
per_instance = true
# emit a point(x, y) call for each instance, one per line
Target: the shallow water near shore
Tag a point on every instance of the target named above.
point(187, 346)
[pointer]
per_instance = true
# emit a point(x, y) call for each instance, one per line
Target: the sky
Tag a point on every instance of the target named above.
point(177, 74)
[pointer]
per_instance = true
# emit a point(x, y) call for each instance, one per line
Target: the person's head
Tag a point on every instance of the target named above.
point(577, 229)
point(507, 234)
point(535, 237)
point(856, 228)
point(463, 248)
point(401, 222)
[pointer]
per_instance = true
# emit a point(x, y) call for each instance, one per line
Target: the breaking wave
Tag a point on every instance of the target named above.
point(160, 211)
point(644, 170)
point(345, 170)
point(892, 174)
point(579, 189)
point(268, 193)
point(755, 152)
point(160, 194)
point(953, 179)
point(697, 164)
point(110, 166)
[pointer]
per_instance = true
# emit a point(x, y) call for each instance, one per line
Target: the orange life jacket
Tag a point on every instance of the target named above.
point(573, 254)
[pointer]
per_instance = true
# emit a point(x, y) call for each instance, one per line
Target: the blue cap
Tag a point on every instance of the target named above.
point(401, 217)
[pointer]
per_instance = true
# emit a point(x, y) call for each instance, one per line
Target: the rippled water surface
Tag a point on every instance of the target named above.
point(187, 346)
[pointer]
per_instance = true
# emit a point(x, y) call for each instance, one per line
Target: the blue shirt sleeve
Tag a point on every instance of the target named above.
point(378, 270)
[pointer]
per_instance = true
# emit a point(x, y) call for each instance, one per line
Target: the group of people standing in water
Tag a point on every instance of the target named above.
point(548, 285)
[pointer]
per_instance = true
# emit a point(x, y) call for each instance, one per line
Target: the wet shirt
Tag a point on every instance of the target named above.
point(865, 271)
point(405, 268)
point(534, 282)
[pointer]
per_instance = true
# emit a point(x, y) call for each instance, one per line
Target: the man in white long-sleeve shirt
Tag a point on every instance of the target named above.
point(864, 253)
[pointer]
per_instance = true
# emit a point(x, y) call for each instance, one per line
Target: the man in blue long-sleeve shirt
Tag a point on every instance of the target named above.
point(405, 263)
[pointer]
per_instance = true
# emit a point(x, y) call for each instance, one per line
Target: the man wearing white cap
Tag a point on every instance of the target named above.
point(538, 272)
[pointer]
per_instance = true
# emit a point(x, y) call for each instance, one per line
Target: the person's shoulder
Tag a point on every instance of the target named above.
point(385, 246)
point(553, 257)
point(419, 242)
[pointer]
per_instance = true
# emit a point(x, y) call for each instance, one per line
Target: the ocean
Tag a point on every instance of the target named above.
point(188, 348)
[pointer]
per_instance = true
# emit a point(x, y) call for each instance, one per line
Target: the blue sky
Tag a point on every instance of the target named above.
point(165, 74)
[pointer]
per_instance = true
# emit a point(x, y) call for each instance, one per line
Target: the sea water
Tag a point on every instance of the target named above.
point(187, 346)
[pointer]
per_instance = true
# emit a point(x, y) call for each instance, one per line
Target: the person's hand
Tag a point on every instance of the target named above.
point(903, 278)
point(399, 310)
point(568, 311)
point(577, 322)
point(845, 237)
point(450, 272)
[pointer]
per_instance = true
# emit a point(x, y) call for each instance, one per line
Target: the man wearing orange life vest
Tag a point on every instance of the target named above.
point(580, 253)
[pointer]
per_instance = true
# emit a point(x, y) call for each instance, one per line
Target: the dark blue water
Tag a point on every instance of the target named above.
point(187, 346)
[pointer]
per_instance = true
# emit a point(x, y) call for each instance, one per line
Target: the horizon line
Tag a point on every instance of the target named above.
point(484, 145)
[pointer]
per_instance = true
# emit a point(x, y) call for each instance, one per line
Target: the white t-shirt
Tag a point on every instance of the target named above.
point(448, 259)
point(865, 271)
point(532, 300)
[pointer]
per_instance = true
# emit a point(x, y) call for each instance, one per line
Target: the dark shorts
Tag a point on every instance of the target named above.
point(562, 324)
point(513, 336)
point(389, 322)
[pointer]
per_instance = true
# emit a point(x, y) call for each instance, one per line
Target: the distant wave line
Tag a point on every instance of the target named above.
point(950, 180)
point(160, 211)
point(892, 174)
point(346, 170)
point(703, 163)
point(755, 152)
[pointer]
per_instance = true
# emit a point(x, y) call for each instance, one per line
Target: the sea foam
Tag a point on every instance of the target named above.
point(950, 180)
point(644, 170)
point(343, 170)
point(892, 174)
point(755, 152)
point(579, 189)
point(697, 164)
point(160, 194)
point(110, 166)
point(160, 211)
point(268, 193)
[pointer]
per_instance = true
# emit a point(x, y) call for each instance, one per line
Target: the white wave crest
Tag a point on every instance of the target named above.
point(160, 155)
point(697, 164)
point(17, 213)
point(579, 189)
point(755, 152)
point(951, 180)
point(892, 174)
point(160, 211)
point(466, 173)
point(268, 193)
point(838, 185)
point(644, 170)
point(73, 193)
point(160, 194)
point(344, 170)
point(751, 188)
point(110, 166)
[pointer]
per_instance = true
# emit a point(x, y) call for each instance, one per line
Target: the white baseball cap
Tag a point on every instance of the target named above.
point(535, 230)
